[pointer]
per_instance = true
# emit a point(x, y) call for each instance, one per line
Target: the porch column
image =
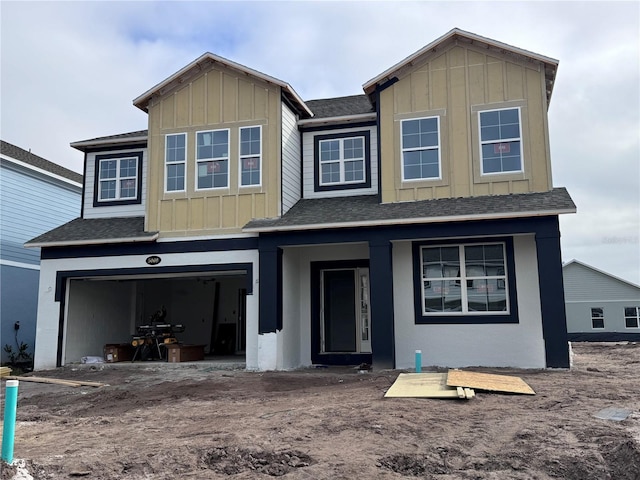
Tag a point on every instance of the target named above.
point(270, 288)
point(554, 320)
point(381, 285)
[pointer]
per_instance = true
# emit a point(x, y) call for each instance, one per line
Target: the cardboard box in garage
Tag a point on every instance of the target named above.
point(184, 353)
point(118, 352)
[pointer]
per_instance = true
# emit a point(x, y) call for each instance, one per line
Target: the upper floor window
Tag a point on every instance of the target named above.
point(597, 317)
point(420, 148)
point(632, 317)
point(341, 161)
point(117, 179)
point(500, 141)
point(175, 162)
point(464, 279)
point(212, 159)
point(250, 155)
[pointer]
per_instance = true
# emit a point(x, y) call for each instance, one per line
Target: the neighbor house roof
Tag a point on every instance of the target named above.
point(598, 271)
point(350, 109)
point(139, 136)
point(364, 210)
point(10, 151)
point(92, 231)
point(465, 38)
point(204, 61)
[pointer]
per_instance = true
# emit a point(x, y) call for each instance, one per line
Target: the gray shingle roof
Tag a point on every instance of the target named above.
point(341, 106)
point(95, 230)
point(35, 161)
point(365, 209)
point(119, 136)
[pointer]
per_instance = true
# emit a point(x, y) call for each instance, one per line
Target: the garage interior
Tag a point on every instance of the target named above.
point(102, 311)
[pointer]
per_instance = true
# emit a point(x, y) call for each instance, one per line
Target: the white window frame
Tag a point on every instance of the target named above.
point(213, 159)
point(341, 161)
point(118, 179)
point(244, 157)
point(167, 163)
point(414, 149)
point(463, 278)
point(636, 317)
point(594, 317)
point(501, 140)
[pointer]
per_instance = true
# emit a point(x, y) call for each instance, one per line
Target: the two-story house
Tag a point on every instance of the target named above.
point(418, 215)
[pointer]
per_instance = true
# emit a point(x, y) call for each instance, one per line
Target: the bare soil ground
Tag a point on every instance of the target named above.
point(330, 424)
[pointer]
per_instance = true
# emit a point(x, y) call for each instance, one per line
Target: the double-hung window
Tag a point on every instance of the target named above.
point(175, 162)
point(500, 141)
point(342, 161)
point(212, 159)
point(420, 148)
point(597, 317)
point(632, 317)
point(118, 179)
point(250, 155)
point(464, 279)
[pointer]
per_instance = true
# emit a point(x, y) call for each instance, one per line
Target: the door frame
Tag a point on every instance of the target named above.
point(317, 356)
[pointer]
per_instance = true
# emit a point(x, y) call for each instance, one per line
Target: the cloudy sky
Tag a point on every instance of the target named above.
point(70, 70)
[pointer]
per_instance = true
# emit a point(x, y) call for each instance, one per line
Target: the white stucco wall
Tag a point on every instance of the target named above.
point(500, 345)
point(48, 308)
point(294, 344)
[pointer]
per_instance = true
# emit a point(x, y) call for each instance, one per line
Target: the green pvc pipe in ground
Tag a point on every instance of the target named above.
point(9, 429)
point(418, 361)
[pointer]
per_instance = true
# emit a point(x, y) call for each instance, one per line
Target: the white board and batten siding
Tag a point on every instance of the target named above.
point(308, 164)
point(130, 210)
point(291, 168)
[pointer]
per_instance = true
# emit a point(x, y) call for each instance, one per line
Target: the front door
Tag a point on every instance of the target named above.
point(345, 326)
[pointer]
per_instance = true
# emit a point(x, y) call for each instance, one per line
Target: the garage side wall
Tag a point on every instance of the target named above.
point(500, 345)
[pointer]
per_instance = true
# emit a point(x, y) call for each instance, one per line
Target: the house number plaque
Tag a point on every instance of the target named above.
point(153, 260)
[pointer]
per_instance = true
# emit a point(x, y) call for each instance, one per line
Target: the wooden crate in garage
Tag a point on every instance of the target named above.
point(120, 352)
point(184, 353)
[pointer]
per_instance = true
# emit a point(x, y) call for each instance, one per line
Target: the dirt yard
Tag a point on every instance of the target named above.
point(200, 423)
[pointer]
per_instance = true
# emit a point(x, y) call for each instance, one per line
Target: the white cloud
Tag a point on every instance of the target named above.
point(70, 71)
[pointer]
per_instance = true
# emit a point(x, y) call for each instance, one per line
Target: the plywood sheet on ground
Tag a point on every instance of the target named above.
point(488, 382)
point(423, 385)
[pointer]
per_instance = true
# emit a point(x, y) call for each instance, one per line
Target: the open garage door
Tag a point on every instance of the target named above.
point(110, 310)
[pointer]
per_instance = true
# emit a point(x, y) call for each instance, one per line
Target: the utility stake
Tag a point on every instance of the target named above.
point(418, 361)
point(9, 429)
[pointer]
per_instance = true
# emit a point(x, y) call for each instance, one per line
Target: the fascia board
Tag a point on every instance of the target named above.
point(107, 142)
point(410, 221)
point(341, 119)
point(40, 171)
point(101, 241)
point(368, 86)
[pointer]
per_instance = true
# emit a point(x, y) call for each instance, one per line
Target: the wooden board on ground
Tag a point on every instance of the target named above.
point(58, 381)
point(488, 382)
point(4, 371)
point(424, 385)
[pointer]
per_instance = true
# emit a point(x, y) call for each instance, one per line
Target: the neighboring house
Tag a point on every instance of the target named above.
point(36, 195)
point(418, 215)
point(600, 307)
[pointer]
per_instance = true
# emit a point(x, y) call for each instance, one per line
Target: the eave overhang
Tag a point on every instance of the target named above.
point(550, 65)
point(204, 62)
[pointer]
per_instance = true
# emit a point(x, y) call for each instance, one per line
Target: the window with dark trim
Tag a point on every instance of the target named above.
point(597, 317)
point(342, 161)
point(632, 317)
point(118, 179)
point(470, 282)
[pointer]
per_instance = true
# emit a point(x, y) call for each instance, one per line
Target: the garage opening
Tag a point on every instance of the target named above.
point(208, 307)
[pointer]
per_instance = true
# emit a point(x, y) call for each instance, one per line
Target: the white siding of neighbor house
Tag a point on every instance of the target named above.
point(308, 164)
point(586, 288)
point(498, 345)
point(291, 164)
point(134, 210)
